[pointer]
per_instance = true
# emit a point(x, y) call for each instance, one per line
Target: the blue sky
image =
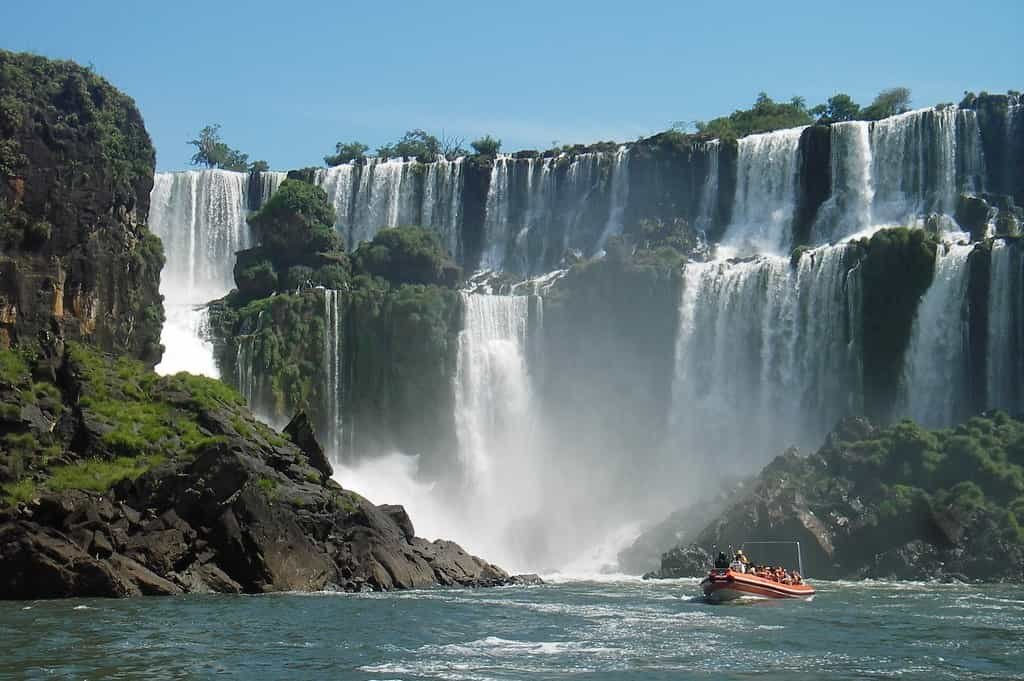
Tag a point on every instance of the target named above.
point(288, 80)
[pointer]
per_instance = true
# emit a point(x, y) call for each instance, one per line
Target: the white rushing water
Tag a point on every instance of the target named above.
point(1005, 371)
point(848, 210)
point(766, 356)
point(935, 379)
point(200, 217)
point(619, 198)
point(921, 161)
point(538, 209)
point(766, 175)
point(709, 192)
point(379, 193)
point(333, 373)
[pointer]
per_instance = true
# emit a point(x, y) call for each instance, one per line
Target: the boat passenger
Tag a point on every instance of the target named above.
point(741, 557)
point(737, 566)
point(722, 561)
point(797, 579)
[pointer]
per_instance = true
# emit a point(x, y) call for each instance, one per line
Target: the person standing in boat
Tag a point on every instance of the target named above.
point(722, 561)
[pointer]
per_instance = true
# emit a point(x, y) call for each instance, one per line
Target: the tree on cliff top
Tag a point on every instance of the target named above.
point(766, 115)
point(212, 152)
point(888, 103)
point(346, 152)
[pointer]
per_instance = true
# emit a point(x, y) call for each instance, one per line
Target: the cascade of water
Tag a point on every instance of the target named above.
point(497, 213)
point(269, 183)
point(492, 413)
point(246, 376)
point(709, 192)
point(935, 366)
point(766, 176)
point(1005, 369)
point(619, 197)
point(442, 201)
point(922, 160)
point(339, 183)
point(200, 217)
point(333, 365)
point(764, 354)
point(370, 196)
point(848, 209)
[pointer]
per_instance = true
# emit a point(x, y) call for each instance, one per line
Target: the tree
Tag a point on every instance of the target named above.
point(487, 146)
point(260, 166)
point(840, 107)
point(451, 147)
point(212, 152)
point(417, 144)
point(888, 103)
point(346, 152)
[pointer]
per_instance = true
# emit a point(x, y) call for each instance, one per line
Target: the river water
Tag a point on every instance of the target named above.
point(579, 629)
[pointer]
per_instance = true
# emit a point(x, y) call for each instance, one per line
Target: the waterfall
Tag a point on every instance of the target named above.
point(200, 217)
point(333, 367)
point(709, 192)
point(497, 213)
point(765, 198)
point(493, 421)
point(442, 202)
point(492, 395)
point(370, 196)
point(921, 161)
point(767, 355)
point(246, 376)
point(619, 197)
point(1005, 369)
point(848, 209)
point(935, 379)
point(538, 209)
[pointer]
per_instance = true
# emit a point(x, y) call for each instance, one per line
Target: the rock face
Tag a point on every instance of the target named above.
point(76, 170)
point(901, 503)
point(216, 502)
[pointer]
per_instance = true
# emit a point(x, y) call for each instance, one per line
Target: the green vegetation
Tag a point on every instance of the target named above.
point(346, 152)
point(955, 473)
point(406, 255)
point(766, 115)
point(298, 246)
point(121, 420)
point(213, 152)
point(417, 144)
point(99, 475)
point(487, 146)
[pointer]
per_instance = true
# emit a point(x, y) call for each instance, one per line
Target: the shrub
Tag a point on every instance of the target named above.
point(487, 146)
point(346, 152)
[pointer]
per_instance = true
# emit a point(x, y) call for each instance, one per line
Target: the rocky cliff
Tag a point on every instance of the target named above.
point(76, 170)
point(901, 502)
point(116, 482)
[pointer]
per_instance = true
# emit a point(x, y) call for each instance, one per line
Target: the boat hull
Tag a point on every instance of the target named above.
point(721, 586)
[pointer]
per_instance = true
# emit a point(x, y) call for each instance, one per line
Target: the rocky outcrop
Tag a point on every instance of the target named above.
point(76, 170)
point(127, 484)
point(901, 503)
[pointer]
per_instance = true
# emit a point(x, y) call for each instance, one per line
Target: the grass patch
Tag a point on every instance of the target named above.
point(97, 475)
point(13, 367)
point(18, 492)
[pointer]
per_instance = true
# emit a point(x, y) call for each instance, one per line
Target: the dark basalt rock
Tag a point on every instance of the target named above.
point(242, 510)
point(683, 561)
point(302, 434)
point(76, 170)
